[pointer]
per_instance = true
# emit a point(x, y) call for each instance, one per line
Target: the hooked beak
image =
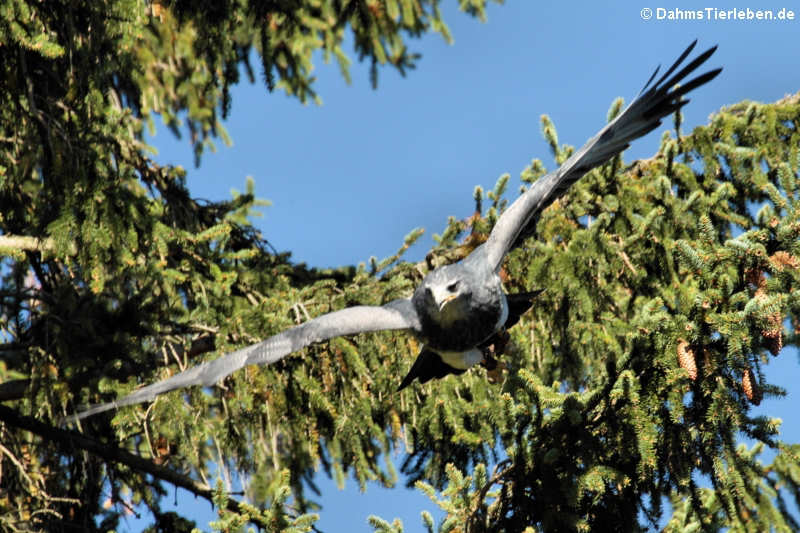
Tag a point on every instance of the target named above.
point(449, 298)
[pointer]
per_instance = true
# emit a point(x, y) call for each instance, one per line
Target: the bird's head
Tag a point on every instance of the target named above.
point(444, 294)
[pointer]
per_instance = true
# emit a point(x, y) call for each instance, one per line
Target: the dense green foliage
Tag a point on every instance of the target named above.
point(111, 269)
point(669, 283)
point(630, 381)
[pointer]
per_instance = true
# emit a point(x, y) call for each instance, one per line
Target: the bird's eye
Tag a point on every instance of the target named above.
point(453, 286)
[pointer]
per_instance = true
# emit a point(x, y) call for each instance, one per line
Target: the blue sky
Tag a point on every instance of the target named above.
point(349, 179)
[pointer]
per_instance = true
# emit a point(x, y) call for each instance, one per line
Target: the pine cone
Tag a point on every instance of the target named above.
point(774, 334)
point(755, 277)
point(774, 342)
point(750, 387)
point(686, 359)
point(162, 449)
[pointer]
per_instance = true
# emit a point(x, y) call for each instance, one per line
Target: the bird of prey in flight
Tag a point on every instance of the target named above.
point(458, 308)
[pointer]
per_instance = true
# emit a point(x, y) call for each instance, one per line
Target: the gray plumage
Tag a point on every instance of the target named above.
point(429, 364)
point(457, 308)
point(397, 314)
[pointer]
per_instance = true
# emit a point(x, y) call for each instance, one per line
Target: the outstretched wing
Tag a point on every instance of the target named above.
point(642, 116)
point(397, 314)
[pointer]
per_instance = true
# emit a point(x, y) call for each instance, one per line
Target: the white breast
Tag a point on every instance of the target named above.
point(462, 360)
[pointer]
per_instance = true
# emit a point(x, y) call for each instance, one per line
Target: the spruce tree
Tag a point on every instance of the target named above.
point(670, 285)
point(670, 282)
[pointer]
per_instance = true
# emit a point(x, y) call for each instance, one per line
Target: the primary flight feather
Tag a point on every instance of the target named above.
point(458, 309)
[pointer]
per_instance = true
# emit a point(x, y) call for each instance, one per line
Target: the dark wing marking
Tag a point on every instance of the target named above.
point(428, 366)
point(518, 304)
point(642, 116)
point(398, 314)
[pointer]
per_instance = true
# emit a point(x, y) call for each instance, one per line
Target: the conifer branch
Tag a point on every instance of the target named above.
point(13, 389)
point(501, 471)
point(114, 455)
point(26, 243)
